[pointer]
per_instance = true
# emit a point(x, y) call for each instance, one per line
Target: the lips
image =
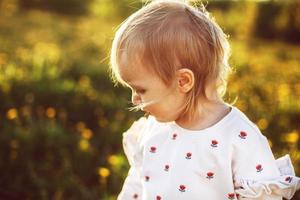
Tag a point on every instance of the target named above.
point(146, 111)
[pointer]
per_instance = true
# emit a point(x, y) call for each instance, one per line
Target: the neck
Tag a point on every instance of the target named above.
point(207, 114)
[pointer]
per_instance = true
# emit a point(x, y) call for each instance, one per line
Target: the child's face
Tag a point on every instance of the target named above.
point(165, 102)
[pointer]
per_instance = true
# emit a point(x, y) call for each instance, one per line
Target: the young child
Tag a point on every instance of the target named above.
point(192, 145)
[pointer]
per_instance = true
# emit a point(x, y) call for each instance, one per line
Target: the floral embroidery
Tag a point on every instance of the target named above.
point(188, 155)
point(243, 135)
point(214, 143)
point(167, 167)
point(147, 178)
point(231, 196)
point(259, 168)
point(182, 188)
point(210, 175)
point(174, 136)
point(152, 149)
point(288, 179)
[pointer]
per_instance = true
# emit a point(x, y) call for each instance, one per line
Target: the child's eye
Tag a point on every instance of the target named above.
point(141, 91)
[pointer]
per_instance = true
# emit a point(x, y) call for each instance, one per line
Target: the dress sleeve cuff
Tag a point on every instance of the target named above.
point(284, 185)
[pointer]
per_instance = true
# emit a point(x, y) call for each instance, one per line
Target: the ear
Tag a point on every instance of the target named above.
point(185, 79)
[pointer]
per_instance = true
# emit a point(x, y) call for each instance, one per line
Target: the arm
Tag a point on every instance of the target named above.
point(256, 173)
point(132, 187)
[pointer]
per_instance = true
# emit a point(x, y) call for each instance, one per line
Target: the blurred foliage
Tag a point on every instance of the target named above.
point(76, 7)
point(61, 118)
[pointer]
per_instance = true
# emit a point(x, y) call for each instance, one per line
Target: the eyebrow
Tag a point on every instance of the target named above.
point(135, 86)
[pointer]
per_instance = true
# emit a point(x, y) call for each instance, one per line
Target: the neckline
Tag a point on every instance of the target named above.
point(175, 127)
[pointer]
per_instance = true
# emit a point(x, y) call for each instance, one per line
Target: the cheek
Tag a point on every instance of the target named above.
point(176, 105)
point(167, 106)
point(162, 108)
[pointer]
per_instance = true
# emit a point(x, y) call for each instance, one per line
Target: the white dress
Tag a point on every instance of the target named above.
point(230, 160)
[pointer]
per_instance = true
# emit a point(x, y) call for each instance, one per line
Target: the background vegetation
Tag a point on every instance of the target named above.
point(61, 119)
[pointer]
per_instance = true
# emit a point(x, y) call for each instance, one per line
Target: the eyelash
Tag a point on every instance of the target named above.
point(141, 91)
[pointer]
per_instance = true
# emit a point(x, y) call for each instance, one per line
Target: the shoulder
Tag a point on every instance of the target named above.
point(138, 128)
point(245, 129)
point(132, 139)
point(246, 138)
point(248, 142)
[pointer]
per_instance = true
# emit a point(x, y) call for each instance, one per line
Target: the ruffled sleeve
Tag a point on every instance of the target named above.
point(256, 173)
point(132, 188)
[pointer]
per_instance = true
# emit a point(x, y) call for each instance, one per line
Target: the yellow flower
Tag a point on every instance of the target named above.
point(50, 112)
point(103, 172)
point(283, 91)
point(292, 137)
point(87, 133)
point(262, 124)
point(12, 113)
point(113, 160)
point(84, 144)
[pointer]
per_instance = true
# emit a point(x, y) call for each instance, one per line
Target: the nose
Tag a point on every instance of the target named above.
point(135, 99)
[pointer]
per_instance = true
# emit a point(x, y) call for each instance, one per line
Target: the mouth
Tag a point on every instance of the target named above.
point(147, 113)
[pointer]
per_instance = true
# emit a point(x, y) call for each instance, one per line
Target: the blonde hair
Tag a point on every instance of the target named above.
point(164, 32)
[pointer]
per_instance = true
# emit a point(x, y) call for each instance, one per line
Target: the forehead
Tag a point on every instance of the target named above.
point(133, 72)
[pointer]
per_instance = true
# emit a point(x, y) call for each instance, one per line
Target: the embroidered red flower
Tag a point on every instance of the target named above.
point(152, 149)
point(188, 155)
point(167, 167)
point(174, 136)
point(214, 143)
point(147, 178)
point(182, 188)
point(288, 179)
point(259, 168)
point(231, 196)
point(135, 196)
point(158, 197)
point(210, 175)
point(243, 134)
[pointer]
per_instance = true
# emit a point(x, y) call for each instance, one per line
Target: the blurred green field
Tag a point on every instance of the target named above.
point(61, 119)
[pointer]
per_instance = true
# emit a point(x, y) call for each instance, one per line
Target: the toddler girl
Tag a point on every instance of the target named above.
point(191, 145)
